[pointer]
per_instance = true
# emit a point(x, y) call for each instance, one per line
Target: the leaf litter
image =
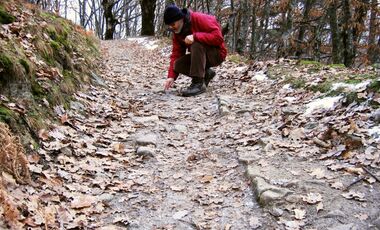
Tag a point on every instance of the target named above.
point(99, 173)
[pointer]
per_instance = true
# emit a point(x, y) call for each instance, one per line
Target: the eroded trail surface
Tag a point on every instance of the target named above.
point(205, 161)
point(250, 153)
point(182, 171)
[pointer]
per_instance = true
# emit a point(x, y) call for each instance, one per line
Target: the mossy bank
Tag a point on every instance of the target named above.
point(44, 59)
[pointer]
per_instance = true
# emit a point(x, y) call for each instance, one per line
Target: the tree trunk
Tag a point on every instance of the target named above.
point(82, 12)
point(253, 44)
point(335, 38)
point(373, 49)
point(301, 33)
point(244, 25)
point(347, 35)
point(110, 19)
point(147, 10)
point(359, 18)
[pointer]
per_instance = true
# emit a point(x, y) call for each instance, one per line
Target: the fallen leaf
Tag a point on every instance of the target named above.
point(206, 179)
point(177, 188)
point(119, 147)
point(354, 195)
point(178, 175)
point(64, 118)
point(361, 216)
point(319, 206)
point(370, 180)
point(337, 185)
point(254, 222)
point(312, 198)
point(43, 134)
point(319, 173)
point(299, 214)
point(83, 201)
point(354, 170)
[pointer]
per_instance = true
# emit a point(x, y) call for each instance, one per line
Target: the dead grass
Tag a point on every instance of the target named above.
point(12, 156)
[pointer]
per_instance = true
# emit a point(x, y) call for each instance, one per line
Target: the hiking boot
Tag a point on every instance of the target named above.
point(209, 75)
point(197, 87)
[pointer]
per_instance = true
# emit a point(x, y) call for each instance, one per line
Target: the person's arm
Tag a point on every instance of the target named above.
point(177, 52)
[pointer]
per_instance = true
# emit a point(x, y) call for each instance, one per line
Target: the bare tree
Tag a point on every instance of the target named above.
point(110, 19)
point(147, 9)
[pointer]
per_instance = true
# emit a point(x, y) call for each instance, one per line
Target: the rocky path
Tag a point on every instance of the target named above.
point(244, 155)
point(185, 172)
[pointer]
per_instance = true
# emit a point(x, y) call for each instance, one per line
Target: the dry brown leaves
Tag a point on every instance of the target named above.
point(12, 156)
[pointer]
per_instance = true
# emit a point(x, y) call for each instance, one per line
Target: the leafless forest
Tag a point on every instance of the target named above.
point(330, 31)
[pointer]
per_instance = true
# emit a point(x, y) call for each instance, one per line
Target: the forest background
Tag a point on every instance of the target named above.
point(329, 31)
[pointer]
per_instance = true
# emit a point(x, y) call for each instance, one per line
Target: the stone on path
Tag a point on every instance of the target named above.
point(145, 151)
point(146, 120)
point(146, 139)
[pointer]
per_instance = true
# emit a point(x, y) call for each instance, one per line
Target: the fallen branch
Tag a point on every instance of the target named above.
point(371, 174)
point(354, 182)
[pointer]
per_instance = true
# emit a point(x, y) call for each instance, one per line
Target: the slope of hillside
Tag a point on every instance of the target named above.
point(44, 59)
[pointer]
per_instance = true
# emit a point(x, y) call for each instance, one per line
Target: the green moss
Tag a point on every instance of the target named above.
point(374, 86)
point(337, 66)
point(352, 81)
point(298, 83)
point(55, 45)
point(36, 119)
point(48, 16)
point(6, 65)
point(353, 97)
point(308, 62)
point(295, 82)
point(323, 87)
point(37, 89)
point(25, 65)
point(5, 62)
point(5, 114)
point(5, 17)
point(52, 32)
point(236, 58)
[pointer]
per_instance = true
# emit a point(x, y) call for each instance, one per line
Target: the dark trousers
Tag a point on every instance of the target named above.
point(201, 56)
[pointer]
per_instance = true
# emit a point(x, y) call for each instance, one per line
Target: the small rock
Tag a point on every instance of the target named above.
point(260, 186)
point(293, 198)
point(145, 120)
point(267, 197)
point(180, 128)
point(180, 214)
point(334, 214)
point(375, 116)
point(75, 105)
point(253, 171)
point(276, 212)
point(343, 227)
point(106, 197)
point(98, 80)
point(146, 139)
point(145, 151)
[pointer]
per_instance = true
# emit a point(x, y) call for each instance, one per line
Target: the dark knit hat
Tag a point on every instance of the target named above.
point(172, 13)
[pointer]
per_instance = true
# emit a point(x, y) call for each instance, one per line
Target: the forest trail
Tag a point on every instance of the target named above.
point(213, 158)
point(250, 153)
point(178, 169)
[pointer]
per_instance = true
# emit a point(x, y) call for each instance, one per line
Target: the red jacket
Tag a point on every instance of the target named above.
point(205, 29)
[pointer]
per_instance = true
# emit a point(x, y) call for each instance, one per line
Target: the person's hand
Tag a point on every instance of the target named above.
point(169, 83)
point(189, 39)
